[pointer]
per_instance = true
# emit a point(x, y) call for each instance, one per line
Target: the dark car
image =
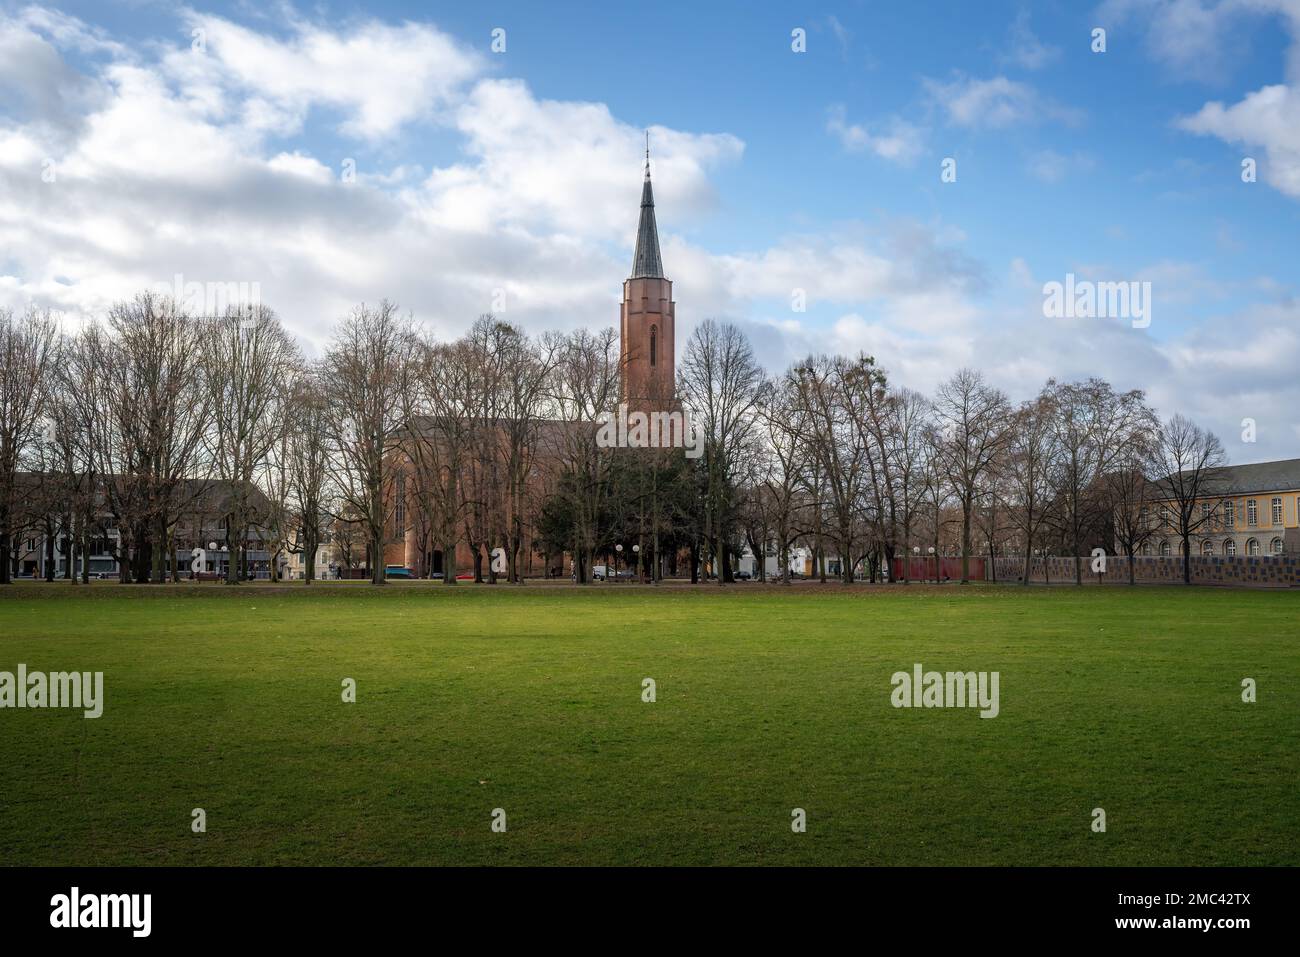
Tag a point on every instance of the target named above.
point(397, 571)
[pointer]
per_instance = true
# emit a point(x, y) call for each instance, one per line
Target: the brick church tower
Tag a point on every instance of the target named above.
point(646, 327)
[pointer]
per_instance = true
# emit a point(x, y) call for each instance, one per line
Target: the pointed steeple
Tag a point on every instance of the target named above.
point(646, 261)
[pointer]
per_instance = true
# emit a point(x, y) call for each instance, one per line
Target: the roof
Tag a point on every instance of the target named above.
point(646, 261)
point(1280, 476)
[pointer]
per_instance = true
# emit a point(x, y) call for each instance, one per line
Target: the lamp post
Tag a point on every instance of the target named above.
point(936, 563)
point(618, 550)
point(916, 554)
point(636, 551)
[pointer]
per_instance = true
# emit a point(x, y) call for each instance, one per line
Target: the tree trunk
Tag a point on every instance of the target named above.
point(965, 542)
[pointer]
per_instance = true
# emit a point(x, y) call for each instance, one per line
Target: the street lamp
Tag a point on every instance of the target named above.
point(936, 563)
point(636, 550)
point(618, 549)
point(916, 555)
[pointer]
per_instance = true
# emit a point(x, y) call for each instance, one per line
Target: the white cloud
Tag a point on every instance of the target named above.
point(1267, 120)
point(175, 165)
point(1204, 38)
point(995, 103)
point(380, 77)
point(898, 140)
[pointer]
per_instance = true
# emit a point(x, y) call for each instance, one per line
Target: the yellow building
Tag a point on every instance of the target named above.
point(1256, 513)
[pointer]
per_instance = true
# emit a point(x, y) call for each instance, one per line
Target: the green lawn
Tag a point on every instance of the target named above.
point(529, 699)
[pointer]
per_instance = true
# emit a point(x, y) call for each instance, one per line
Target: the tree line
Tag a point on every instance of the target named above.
point(115, 434)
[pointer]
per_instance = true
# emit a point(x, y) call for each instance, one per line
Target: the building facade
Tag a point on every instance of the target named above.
point(1254, 512)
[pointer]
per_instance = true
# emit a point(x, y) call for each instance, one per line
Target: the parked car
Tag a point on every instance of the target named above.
point(599, 572)
point(397, 571)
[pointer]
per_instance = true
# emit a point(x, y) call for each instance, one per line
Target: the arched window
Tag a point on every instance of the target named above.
point(1165, 549)
point(1146, 548)
point(654, 345)
point(1230, 548)
point(1207, 548)
point(1275, 546)
point(1252, 546)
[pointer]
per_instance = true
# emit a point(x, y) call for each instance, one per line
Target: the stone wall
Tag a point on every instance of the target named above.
point(1280, 570)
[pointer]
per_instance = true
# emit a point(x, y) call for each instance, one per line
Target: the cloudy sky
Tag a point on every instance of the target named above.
point(335, 153)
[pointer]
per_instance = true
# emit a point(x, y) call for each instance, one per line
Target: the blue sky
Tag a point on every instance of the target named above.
point(774, 170)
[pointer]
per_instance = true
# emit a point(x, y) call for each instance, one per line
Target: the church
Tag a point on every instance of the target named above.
point(647, 317)
point(647, 384)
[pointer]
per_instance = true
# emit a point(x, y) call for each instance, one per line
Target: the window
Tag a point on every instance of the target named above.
point(1252, 546)
point(1205, 513)
point(1146, 548)
point(1229, 512)
point(1252, 512)
point(654, 345)
point(1164, 517)
point(1165, 549)
point(1277, 511)
point(1230, 548)
point(1275, 546)
point(1207, 548)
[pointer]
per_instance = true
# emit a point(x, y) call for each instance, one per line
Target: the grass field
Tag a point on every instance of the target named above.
point(529, 699)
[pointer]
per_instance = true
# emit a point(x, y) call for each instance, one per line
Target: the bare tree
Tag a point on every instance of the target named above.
point(833, 390)
point(909, 419)
point(249, 365)
point(1130, 493)
point(971, 418)
point(1191, 461)
point(150, 421)
point(1092, 422)
point(364, 367)
point(30, 347)
point(308, 456)
point(722, 384)
point(584, 389)
point(782, 480)
point(1033, 460)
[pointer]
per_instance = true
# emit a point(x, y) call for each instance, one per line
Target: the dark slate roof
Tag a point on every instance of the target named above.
point(646, 261)
point(1282, 475)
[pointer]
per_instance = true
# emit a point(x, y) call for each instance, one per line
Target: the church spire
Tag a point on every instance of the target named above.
point(646, 261)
